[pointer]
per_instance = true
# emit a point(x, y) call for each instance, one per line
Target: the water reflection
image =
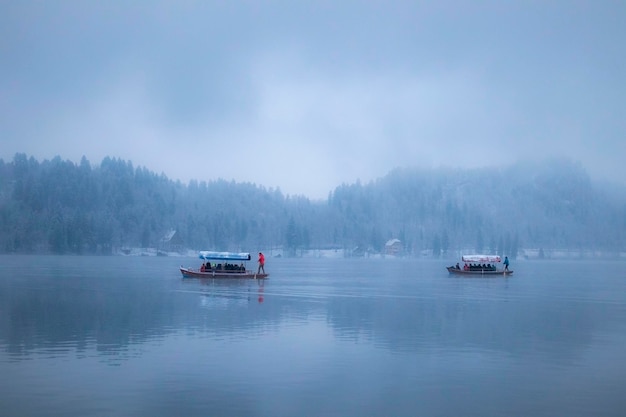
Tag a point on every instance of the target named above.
point(72, 307)
point(223, 293)
point(130, 337)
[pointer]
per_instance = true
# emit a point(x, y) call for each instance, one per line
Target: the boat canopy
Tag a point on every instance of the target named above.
point(481, 258)
point(224, 256)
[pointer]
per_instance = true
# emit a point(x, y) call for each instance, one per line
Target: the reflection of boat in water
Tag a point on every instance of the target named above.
point(222, 293)
point(479, 265)
point(232, 266)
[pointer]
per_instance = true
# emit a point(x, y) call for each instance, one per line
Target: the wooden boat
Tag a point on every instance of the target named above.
point(479, 265)
point(222, 268)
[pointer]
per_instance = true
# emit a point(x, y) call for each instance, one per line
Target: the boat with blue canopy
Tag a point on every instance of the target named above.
point(224, 256)
point(222, 265)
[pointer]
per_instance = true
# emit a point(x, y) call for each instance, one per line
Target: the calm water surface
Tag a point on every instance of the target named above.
point(126, 336)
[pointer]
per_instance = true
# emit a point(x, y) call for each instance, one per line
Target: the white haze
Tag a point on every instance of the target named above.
point(304, 96)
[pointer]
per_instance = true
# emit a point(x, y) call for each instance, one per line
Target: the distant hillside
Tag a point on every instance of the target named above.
point(549, 205)
point(58, 206)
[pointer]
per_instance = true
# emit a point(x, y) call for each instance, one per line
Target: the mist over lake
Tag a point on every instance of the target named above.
point(363, 147)
point(307, 96)
point(102, 336)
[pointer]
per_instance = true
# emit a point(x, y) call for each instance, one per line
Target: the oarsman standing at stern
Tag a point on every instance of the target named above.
point(261, 263)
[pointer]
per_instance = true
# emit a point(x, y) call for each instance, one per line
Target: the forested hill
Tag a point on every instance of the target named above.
point(58, 206)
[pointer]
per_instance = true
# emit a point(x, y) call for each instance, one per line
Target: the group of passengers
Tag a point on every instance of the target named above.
point(207, 267)
point(479, 267)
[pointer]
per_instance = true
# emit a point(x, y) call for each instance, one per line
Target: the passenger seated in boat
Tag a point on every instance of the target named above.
point(466, 267)
point(202, 268)
point(457, 266)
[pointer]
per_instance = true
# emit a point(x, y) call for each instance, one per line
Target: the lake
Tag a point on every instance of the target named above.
point(127, 336)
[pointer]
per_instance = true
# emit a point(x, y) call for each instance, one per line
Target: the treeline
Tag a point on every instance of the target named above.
point(58, 206)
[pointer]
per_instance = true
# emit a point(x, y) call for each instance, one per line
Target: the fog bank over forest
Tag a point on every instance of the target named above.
point(58, 206)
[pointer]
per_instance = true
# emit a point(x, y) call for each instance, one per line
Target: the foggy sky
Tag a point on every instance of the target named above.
point(304, 96)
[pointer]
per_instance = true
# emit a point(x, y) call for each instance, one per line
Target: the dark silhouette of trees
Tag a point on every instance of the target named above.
point(57, 206)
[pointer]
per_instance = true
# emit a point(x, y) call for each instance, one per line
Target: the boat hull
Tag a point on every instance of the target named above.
point(455, 271)
point(190, 273)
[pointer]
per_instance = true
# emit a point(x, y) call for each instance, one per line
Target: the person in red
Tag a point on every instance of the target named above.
point(261, 263)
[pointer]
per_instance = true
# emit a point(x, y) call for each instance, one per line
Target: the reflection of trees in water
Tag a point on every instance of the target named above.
point(422, 324)
point(109, 311)
point(66, 302)
point(42, 318)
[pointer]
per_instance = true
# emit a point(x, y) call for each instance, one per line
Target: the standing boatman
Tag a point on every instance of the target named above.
point(506, 263)
point(261, 263)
